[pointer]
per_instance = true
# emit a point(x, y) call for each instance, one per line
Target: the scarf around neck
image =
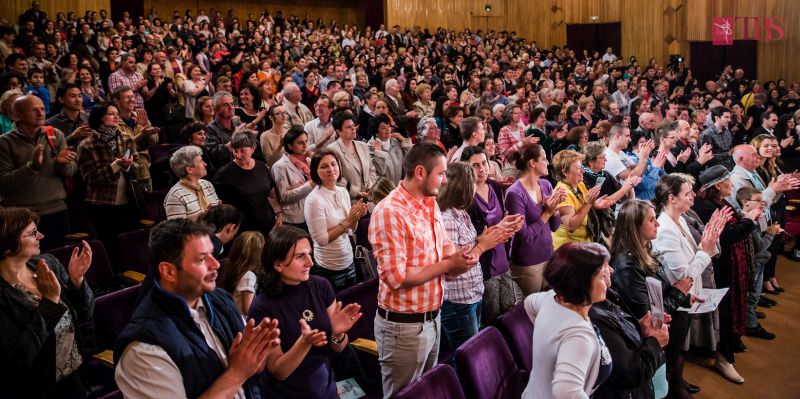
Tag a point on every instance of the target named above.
point(197, 189)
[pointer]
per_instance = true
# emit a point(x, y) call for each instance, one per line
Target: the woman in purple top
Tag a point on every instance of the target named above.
point(500, 291)
point(532, 196)
point(313, 324)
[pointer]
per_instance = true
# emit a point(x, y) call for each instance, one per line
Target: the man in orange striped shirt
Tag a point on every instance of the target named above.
point(413, 254)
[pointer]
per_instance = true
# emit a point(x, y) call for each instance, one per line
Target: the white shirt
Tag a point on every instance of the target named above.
point(617, 162)
point(147, 371)
point(566, 350)
point(316, 131)
point(325, 209)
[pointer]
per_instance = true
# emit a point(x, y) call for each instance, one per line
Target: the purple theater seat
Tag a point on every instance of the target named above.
point(100, 275)
point(487, 370)
point(440, 382)
point(366, 295)
point(135, 250)
point(518, 331)
point(111, 313)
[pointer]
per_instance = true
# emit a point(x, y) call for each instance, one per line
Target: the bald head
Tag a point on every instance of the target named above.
point(29, 110)
point(746, 156)
point(292, 93)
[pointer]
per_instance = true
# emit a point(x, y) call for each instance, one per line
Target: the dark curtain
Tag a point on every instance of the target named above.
point(373, 13)
point(134, 7)
point(708, 60)
point(594, 37)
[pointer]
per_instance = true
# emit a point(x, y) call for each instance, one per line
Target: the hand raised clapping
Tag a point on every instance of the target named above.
point(79, 263)
point(343, 318)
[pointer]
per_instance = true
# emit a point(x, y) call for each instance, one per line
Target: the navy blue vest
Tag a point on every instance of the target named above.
point(163, 319)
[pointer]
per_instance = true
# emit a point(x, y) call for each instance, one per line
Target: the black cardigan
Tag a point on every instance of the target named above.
point(628, 280)
point(27, 333)
point(636, 359)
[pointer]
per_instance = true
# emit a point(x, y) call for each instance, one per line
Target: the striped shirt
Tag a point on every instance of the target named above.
point(466, 288)
point(181, 202)
point(407, 233)
point(120, 78)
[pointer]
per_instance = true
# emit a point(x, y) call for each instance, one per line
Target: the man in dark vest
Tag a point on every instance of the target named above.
point(187, 338)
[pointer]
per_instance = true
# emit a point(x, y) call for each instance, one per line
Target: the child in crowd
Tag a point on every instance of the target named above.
point(37, 88)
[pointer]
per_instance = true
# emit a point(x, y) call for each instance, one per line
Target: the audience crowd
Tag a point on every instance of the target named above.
point(289, 159)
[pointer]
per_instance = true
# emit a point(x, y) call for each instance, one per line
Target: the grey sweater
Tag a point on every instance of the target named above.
point(41, 190)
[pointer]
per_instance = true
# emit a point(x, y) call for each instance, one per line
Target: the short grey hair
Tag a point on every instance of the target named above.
point(615, 130)
point(592, 150)
point(423, 126)
point(243, 138)
point(290, 87)
point(183, 158)
point(218, 96)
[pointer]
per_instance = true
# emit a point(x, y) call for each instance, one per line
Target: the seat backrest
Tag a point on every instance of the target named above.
point(366, 295)
point(100, 275)
point(518, 331)
point(135, 250)
point(112, 312)
point(440, 382)
point(485, 366)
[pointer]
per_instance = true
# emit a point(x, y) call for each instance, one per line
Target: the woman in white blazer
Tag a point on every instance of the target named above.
point(680, 255)
point(292, 175)
point(354, 155)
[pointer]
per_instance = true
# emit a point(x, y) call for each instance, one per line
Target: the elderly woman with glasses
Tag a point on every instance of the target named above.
point(41, 305)
point(247, 184)
point(192, 195)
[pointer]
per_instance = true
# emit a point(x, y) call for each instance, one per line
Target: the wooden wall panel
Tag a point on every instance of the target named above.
point(344, 11)
point(13, 8)
point(655, 28)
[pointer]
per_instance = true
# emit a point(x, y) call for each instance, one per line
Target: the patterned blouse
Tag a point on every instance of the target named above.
point(68, 357)
point(465, 288)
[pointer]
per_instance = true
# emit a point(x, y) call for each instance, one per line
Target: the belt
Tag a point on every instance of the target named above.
point(407, 317)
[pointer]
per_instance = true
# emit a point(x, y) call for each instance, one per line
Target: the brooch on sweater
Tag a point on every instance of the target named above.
point(308, 315)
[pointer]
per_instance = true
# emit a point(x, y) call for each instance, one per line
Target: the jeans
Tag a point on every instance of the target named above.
point(405, 351)
point(339, 279)
point(754, 295)
point(459, 322)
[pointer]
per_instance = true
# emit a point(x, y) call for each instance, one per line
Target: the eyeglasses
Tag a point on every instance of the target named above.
point(34, 234)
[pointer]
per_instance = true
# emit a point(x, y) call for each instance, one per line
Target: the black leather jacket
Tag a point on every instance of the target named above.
point(628, 280)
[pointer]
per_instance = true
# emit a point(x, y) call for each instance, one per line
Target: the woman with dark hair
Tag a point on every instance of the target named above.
point(292, 174)
point(633, 263)
point(635, 341)
point(249, 110)
point(532, 196)
point(682, 256)
point(41, 305)
point(247, 184)
point(571, 357)
point(301, 367)
point(197, 85)
point(108, 160)
point(271, 141)
point(386, 149)
point(461, 310)
point(576, 138)
point(451, 136)
point(487, 210)
point(160, 92)
point(331, 220)
point(93, 94)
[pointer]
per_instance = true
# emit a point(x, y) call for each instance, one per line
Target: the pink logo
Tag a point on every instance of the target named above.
point(722, 31)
